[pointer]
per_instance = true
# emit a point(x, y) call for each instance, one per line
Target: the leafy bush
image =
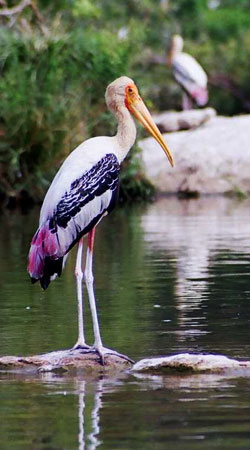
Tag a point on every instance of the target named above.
point(52, 97)
point(52, 86)
point(228, 66)
point(134, 185)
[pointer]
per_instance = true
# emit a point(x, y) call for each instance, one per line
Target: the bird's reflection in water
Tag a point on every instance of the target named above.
point(91, 440)
point(89, 392)
point(81, 407)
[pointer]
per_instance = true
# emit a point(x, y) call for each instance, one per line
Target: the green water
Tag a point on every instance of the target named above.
point(170, 277)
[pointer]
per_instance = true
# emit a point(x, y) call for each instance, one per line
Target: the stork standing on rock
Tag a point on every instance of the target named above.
point(189, 75)
point(84, 190)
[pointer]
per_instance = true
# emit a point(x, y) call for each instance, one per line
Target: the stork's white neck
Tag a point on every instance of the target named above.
point(126, 132)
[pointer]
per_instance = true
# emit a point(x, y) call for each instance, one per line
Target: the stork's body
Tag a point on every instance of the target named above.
point(189, 75)
point(83, 191)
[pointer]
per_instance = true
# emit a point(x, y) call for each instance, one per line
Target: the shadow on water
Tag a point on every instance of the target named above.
point(170, 277)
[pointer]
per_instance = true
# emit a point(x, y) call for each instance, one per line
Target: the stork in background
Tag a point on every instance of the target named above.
point(189, 74)
point(84, 190)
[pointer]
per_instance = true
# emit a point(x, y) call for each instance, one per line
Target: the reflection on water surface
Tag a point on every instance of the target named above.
point(170, 277)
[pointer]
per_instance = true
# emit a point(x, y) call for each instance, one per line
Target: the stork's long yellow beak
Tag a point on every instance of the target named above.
point(138, 108)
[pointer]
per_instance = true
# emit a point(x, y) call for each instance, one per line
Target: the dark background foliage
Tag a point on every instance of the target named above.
point(56, 59)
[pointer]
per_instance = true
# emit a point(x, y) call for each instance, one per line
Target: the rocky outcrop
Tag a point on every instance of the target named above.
point(88, 364)
point(71, 360)
point(184, 120)
point(186, 362)
point(211, 159)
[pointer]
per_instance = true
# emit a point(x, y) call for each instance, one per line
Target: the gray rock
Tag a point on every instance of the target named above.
point(186, 362)
point(184, 120)
point(70, 360)
point(211, 159)
point(88, 364)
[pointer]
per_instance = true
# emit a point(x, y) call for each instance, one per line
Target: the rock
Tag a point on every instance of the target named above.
point(186, 363)
point(184, 120)
point(211, 159)
point(77, 361)
point(65, 361)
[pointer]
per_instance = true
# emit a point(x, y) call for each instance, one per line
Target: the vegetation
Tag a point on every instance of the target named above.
point(57, 57)
point(49, 84)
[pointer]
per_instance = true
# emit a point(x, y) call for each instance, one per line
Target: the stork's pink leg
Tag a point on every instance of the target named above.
point(187, 103)
point(89, 280)
point(79, 276)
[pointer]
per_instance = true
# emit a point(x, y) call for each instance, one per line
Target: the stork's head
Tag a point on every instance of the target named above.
point(176, 46)
point(177, 43)
point(123, 92)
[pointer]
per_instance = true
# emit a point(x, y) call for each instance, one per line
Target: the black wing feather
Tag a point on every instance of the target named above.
point(79, 210)
point(182, 74)
point(74, 212)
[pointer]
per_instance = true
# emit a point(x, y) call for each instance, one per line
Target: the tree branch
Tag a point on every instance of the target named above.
point(15, 9)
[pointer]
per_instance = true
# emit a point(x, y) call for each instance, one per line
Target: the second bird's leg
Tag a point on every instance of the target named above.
point(80, 343)
point(89, 280)
point(187, 103)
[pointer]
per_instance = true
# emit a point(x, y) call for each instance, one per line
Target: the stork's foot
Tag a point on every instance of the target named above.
point(81, 345)
point(103, 351)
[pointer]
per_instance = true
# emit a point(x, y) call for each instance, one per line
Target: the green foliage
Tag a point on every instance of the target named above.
point(228, 66)
point(52, 85)
point(52, 97)
point(134, 185)
point(234, 20)
point(217, 35)
point(85, 9)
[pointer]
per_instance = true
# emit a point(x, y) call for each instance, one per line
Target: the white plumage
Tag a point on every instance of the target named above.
point(79, 161)
point(188, 73)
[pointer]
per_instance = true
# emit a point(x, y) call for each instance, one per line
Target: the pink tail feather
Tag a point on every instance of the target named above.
point(44, 257)
point(200, 95)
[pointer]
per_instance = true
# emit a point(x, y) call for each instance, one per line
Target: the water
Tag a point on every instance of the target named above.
point(170, 277)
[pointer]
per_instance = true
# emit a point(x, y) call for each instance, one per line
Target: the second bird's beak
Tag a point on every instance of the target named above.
point(138, 108)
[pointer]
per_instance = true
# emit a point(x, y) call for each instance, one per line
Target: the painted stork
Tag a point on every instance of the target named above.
point(84, 190)
point(189, 74)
